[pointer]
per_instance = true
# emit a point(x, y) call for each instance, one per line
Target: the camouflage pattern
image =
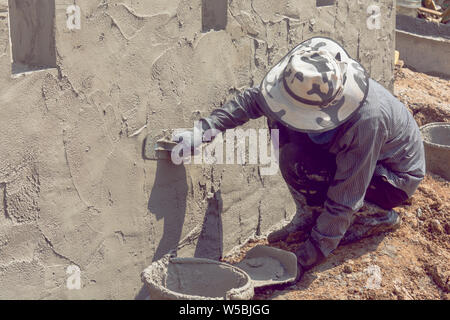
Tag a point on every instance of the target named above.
point(315, 87)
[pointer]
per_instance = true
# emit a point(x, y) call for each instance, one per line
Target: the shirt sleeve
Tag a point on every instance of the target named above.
point(243, 107)
point(356, 161)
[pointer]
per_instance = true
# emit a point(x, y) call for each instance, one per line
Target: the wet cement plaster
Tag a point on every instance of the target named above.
point(74, 187)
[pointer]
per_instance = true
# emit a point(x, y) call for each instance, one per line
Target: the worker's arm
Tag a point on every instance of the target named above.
point(357, 156)
point(236, 112)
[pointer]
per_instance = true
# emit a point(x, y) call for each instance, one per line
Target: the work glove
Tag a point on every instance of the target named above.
point(191, 138)
point(308, 256)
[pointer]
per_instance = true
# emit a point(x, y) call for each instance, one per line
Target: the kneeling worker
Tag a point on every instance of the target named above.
point(343, 139)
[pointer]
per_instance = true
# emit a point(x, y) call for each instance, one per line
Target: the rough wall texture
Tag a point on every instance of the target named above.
point(74, 188)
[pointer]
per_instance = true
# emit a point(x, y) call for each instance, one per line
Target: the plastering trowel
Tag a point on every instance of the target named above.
point(158, 145)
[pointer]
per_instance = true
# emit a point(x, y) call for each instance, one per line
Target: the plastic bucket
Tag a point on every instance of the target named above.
point(196, 279)
point(436, 137)
point(408, 7)
point(409, 3)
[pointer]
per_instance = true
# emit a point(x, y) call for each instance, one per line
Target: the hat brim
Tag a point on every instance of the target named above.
point(305, 117)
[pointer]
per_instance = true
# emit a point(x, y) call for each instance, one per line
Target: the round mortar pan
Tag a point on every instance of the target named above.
point(436, 138)
point(196, 279)
point(269, 266)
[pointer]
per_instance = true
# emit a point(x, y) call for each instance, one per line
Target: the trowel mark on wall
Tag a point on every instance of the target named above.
point(126, 20)
point(120, 237)
point(22, 195)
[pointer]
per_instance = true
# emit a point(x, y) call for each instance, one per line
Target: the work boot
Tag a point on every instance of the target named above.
point(372, 224)
point(299, 227)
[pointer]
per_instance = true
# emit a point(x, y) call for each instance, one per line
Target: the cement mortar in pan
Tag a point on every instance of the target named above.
point(269, 266)
point(436, 138)
point(262, 266)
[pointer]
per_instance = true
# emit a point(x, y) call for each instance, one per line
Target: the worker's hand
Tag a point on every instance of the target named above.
point(300, 273)
point(190, 139)
point(308, 256)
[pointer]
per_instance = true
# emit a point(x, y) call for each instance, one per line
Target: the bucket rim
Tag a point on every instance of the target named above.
point(246, 291)
point(434, 125)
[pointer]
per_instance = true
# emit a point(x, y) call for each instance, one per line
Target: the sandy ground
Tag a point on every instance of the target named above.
point(410, 263)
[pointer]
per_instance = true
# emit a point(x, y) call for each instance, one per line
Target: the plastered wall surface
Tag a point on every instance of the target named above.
point(74, 187)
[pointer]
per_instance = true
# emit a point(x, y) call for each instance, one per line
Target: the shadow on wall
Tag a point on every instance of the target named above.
point(168, 201)
point(210, 242)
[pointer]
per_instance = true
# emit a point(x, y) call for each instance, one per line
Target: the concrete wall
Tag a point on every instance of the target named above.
point(423, 45)
point(74, 188)
point(424, 54)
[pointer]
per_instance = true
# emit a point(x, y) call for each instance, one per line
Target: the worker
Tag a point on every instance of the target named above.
point(345, 141)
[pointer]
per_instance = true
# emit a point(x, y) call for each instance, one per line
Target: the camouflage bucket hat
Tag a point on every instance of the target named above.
point(315, 87)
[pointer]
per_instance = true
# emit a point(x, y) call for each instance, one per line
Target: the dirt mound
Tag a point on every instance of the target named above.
point(410, 263)
point(426, 96)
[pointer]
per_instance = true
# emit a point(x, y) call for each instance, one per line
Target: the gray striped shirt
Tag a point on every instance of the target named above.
point(381, 138)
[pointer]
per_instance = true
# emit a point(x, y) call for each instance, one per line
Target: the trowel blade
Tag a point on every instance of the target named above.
point(157, 145)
